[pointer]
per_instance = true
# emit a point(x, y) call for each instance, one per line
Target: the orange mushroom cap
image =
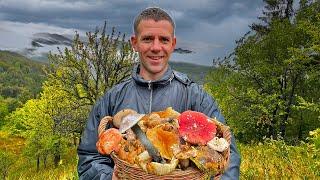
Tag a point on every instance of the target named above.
point(109, 141)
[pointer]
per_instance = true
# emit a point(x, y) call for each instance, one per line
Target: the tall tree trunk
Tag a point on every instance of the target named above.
point(57, 156)
point(75, 140)
point(56, 159)
point(300, 126)
point(5, 173)
point(289, 9)
point(272, 130)
point(45, 161)
point(288, 107)
point(38, 163)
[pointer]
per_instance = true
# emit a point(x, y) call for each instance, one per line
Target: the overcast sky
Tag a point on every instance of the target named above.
point(209, 28)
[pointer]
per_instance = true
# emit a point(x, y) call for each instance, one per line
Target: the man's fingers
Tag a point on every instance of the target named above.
point(114, 175)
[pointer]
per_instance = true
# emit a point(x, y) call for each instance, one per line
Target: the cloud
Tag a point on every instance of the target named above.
point(49, 5)
point(31, 28)
point(17, 36)
point(207, 27)
point(81, 14)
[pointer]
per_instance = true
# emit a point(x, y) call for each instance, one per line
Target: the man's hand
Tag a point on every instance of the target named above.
point(114, 176)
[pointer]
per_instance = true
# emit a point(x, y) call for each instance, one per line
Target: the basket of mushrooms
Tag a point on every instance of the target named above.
point(165, 145)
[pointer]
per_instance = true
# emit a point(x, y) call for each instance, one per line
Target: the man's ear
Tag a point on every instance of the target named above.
point(133, 41)
point(174, 42)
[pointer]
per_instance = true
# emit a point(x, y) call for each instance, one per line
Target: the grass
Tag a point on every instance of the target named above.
point(11, 143)
point(274, 160)
point(25, 168)
point(268, 160)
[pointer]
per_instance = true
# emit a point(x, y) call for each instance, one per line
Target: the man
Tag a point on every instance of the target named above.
point(154, 86)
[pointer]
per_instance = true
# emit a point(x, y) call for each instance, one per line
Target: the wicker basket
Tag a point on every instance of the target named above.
point(127, 171)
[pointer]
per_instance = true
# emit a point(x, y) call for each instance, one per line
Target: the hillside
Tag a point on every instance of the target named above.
point(20, 78)
point(196, 72)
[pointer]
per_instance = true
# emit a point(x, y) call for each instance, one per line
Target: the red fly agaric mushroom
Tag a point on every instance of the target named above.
point(196, 127)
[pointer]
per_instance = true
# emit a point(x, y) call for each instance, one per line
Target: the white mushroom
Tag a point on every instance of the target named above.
point(162, 169)
point(117, 119)
point(218, 144)
point(129, 121)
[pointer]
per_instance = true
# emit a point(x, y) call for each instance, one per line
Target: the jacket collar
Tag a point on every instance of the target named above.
point(165, 79)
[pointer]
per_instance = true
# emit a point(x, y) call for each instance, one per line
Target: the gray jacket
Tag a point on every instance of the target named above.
point(174, 90)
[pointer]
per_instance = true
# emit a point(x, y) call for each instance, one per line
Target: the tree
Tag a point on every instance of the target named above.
point(85, 72)
point(280, 10)
point(46, 123)
point(7, 159)
point(34, 125)
point(266, 74)
point(4, 110)
point(76, 79)
point(89, 69)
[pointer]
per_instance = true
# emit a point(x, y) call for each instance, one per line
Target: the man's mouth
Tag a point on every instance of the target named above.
point(156, 57)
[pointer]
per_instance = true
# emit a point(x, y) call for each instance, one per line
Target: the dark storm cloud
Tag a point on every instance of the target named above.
point(206, 27)
point(72, 14)
point(83, 14)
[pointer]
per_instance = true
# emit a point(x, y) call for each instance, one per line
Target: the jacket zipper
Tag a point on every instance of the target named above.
point(151, 91)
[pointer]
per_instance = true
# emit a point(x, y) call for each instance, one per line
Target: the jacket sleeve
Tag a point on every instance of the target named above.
point(91, 164)
point(204, 103)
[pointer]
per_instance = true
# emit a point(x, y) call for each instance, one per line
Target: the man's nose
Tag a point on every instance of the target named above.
point(156, 45)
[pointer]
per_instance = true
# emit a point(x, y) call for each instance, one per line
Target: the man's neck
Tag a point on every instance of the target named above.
point(151, 77)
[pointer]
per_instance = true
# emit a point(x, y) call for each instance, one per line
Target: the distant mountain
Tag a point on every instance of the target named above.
point(195, 72)
point(18, 73)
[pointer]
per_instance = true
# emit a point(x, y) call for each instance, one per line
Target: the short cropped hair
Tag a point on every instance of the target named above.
point(154, 13)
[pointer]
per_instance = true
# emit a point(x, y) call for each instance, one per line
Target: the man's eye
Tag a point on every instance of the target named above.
point(165, 40)
point(146, 39)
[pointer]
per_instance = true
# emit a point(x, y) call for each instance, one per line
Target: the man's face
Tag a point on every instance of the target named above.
point(155, 43)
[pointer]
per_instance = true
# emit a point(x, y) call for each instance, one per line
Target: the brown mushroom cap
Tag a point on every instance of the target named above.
point(121, 114)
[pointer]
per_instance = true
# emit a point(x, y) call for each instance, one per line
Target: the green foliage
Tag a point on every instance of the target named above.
point(275, 159)
point(315, 138)
point(46, 122)
point(270, 159)
point(20, 78)
point(7, 159)
point(259, 86)
point(4, 110)
point(268, 87)
point(88, 70)
point(76, 80)
point(273, 10)
point(24, 167)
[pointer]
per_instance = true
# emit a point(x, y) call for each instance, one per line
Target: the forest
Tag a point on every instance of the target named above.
point(267, 89)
